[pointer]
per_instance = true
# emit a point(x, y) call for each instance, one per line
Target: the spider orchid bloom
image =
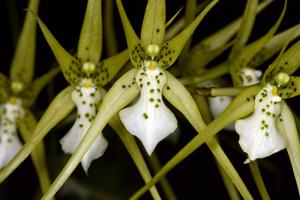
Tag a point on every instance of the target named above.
point(10, 144)
point(250, 76)
point(87, 75)
point(86, 97)
point(259, 135)
point(149, 119)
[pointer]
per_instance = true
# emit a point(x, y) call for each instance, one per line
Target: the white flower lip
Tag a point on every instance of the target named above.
point(10, 143)
point(259, 135)
point(149, 119)
point(86, 97)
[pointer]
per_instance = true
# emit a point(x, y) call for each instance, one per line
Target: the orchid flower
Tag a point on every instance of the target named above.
point(17, 93)
point(259, 135)
point(87, 75)
point(10, 143)
point(149, 119)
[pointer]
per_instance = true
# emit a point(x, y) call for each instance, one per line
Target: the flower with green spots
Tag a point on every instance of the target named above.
point(259, 135)
point(87, 75)
point(10, 143)
point(19, 92)
point(149, 119)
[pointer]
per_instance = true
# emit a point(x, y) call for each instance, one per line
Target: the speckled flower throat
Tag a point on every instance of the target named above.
point(9, 140)
point(86, 97)
point(149, 119)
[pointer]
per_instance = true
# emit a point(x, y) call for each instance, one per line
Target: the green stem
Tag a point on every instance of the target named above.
point(134, 151)
point(212, 73)
point(254, 168)
point(164, 183)
point(232, 192)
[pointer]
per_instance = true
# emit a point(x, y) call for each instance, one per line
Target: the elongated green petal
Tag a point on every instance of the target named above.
point(90, 41)
point(38, 155)
point(288, 63)
point(240, 107)
point(22, 67)
point(4, 85)
point(258, 179)
point(153, 28)
point(134, 151)
point(290, 90)
point(110, 34)
point(274, 45)
point(170, 50)
point(111, 66)
point(136, 52)
point(121, 93)
point(287, 127)
point(249, 51)
point(245, 27)
point(38, 84)
point(181, 99)
point(70, 66)
point(60, 107)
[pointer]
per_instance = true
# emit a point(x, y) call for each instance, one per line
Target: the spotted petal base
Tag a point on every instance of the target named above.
point(86, 100)
point(10, 143)
point(149, 119)
point(259, 135)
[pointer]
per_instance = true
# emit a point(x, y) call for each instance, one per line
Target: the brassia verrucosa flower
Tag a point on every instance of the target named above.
point(149, 119)
point(17, 94)
point(87, 75)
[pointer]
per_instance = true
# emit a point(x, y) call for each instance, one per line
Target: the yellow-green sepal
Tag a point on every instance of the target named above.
point(135, 49)
point(4, 85)
point(70, 66)
point(37, 85)
point(171, 49)
point(90, 40)
point(22, 67)
point(111, 66)
point(153, 27)
point(26, 127)
point(291, 89)
point(245, 28)
point(287, 126)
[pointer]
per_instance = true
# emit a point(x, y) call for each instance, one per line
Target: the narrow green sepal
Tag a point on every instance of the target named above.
point(245, 28)
point(288, 62)
point(171, 49)
point(248, 52)
point(37, 85)
point(287, 126)
point(70, 65)
point(136, 51)
point(274, 45)
point(38, 155)
point(22, 67)
point(290, 90)
point(59, 108)
point(4, 85)
point(111, 66)
point(153, 27)
point(90, 41)
point(181, 99)
point(121, 93)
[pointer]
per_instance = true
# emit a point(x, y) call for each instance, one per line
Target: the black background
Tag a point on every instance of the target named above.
point(197, 177)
